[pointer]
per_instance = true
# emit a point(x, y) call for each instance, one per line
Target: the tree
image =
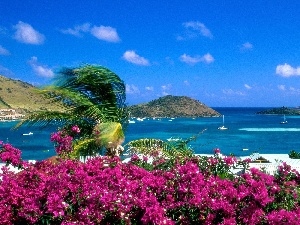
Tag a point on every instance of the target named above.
point(94, 99)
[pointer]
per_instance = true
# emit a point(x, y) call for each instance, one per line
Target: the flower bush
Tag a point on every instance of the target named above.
point(63, 140)
point(104, 190)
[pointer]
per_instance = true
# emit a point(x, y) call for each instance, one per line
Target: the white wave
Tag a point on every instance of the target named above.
point(271, 129)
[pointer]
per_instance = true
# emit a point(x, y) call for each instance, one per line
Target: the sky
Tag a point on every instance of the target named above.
point(234, 53)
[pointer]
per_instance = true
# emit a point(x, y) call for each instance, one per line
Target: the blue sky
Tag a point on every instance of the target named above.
point(222, 53)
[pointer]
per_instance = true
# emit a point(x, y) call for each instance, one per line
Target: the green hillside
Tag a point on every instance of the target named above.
point(23, 97)
point(173, 106)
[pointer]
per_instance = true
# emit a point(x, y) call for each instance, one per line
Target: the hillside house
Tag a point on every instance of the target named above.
point(9, 115)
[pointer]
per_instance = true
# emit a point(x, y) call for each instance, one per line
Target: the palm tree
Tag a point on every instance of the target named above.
point(94, 99)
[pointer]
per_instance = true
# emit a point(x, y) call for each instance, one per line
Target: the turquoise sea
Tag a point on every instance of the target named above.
point(246, 130)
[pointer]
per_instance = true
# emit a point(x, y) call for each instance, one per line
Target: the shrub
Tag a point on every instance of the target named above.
point(104, 190)
point(294, 155)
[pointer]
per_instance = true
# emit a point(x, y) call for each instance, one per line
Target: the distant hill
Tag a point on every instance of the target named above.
point(173, 106)
point(281, 111)
point(23, 97)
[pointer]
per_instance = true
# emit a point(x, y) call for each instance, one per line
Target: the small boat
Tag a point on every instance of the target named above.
point(284, 120)
point(173, 139)
point(222, 127)
point(245, 149)
point(27, 134)
point(131, 121)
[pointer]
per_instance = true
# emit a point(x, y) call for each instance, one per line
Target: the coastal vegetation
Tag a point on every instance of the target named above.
point(149, 189)
point(24, 97)
point(281, 111)
point(294, 155)
point(94, 100)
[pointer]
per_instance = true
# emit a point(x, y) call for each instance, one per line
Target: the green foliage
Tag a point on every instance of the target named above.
point(106, 136)
point(294, 155)
point(109, 134)
point(176, 148)
point(148, 146)
point(93, 96)
point(172, 106)
point(25, 97)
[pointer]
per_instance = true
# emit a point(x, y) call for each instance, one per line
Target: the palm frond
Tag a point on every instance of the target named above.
point(109, 135)
point(92, 95)
point(98, 83)
point(45, 118)
point(147, 146)
point(101, 87)
point(85, 147)
point(68, 97)
point(168, 149)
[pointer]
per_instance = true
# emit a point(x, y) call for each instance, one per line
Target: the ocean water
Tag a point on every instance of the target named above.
point(246, 130)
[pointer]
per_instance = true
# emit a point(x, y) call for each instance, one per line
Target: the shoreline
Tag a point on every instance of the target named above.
point(275, 160)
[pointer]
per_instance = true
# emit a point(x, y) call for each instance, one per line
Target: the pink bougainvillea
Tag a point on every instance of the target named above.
point(104, 190)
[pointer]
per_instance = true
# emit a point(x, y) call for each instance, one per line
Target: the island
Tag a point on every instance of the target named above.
point(173, 106)
point(280, 111)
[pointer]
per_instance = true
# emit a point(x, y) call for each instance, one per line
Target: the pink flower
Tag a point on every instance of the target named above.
point(75, 129)
point(217, 151)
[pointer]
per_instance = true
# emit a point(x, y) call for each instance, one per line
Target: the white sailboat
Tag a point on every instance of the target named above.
point(222, 127)
point(284, 120)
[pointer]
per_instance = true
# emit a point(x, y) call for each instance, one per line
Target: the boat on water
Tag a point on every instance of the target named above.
point(27, 134)
point(173, 139)
point(222, 127)
point(131, 121)
point(284, 120)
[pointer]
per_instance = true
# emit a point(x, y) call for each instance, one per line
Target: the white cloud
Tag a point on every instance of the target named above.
point(4, 51)
point(232, 92)
point(105, 33)
point(40, 70)
point(189, 59)
point(246, 46)
point(26, 34)
point(165, 89)
point(281, 87)
point(289, 90)
point(287, 70)
point(294, 90)
point(186, 83)
point(247, 86)
point(134, 58)
point(196, 27)
point(132, 89)
point(77, 30)
point(149, 88)
point(207, 58)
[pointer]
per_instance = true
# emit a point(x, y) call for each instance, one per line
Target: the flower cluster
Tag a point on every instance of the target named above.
point(75, 129)
point(10, 155)
point(105, 190)
point(63, 140)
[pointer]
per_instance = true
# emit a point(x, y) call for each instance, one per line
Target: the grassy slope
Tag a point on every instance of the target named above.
point(20, 95)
